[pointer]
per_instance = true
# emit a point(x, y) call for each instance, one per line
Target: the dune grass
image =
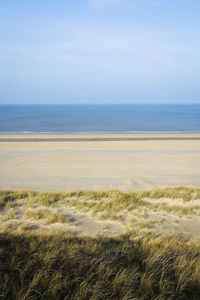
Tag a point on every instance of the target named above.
point(69, 266)
point(57, 218)
point(72, 267)
point(36, 215)
point(106, 204)
point(48, 216)
point(48, 198)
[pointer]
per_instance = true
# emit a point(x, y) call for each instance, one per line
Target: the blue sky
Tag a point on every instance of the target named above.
point(99, 51)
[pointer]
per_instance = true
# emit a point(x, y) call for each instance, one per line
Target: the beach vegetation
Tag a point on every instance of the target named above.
point(74, 267)
point(145, 263)
point(57, 218)
point(106, 203)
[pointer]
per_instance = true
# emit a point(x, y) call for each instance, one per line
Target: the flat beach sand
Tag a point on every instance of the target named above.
point(52, 162)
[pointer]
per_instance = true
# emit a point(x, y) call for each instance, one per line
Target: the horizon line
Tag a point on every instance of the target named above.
point(61, 104)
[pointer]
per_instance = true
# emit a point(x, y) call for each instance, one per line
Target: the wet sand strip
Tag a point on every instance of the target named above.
point(92, 139)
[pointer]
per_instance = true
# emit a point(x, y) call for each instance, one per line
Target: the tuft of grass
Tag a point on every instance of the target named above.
point(56, 218)
point(10, 215)
point(49, 218)
point(8, 227)
point(10, 196)
point(39, 214)
point(180, 192)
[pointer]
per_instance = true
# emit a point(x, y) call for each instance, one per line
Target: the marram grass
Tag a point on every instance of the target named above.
point(68, 266)
point(72, 267)
point(101, 202)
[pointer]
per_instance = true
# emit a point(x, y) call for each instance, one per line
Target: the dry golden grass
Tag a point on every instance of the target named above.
point(72, 267)
point(69, 266)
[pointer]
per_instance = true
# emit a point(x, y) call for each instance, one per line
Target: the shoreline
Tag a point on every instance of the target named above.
point(97, 137)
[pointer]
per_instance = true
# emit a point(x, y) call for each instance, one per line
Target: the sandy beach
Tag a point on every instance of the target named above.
point(99, 161)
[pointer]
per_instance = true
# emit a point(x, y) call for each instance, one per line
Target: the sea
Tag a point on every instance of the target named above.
point(99, 118)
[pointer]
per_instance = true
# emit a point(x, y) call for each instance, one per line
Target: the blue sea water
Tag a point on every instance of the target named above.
point(99, 118)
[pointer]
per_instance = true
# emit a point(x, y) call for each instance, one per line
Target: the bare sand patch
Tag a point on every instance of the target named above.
point(38, 218)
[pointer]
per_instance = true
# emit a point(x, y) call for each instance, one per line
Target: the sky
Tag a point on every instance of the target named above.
point(99, 51)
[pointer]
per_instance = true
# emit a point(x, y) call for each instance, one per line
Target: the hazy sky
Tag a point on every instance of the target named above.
point(100, 51)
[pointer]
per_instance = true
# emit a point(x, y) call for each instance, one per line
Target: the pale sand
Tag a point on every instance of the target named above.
point(123, 165)
point(144, 220)
point(79, 222)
